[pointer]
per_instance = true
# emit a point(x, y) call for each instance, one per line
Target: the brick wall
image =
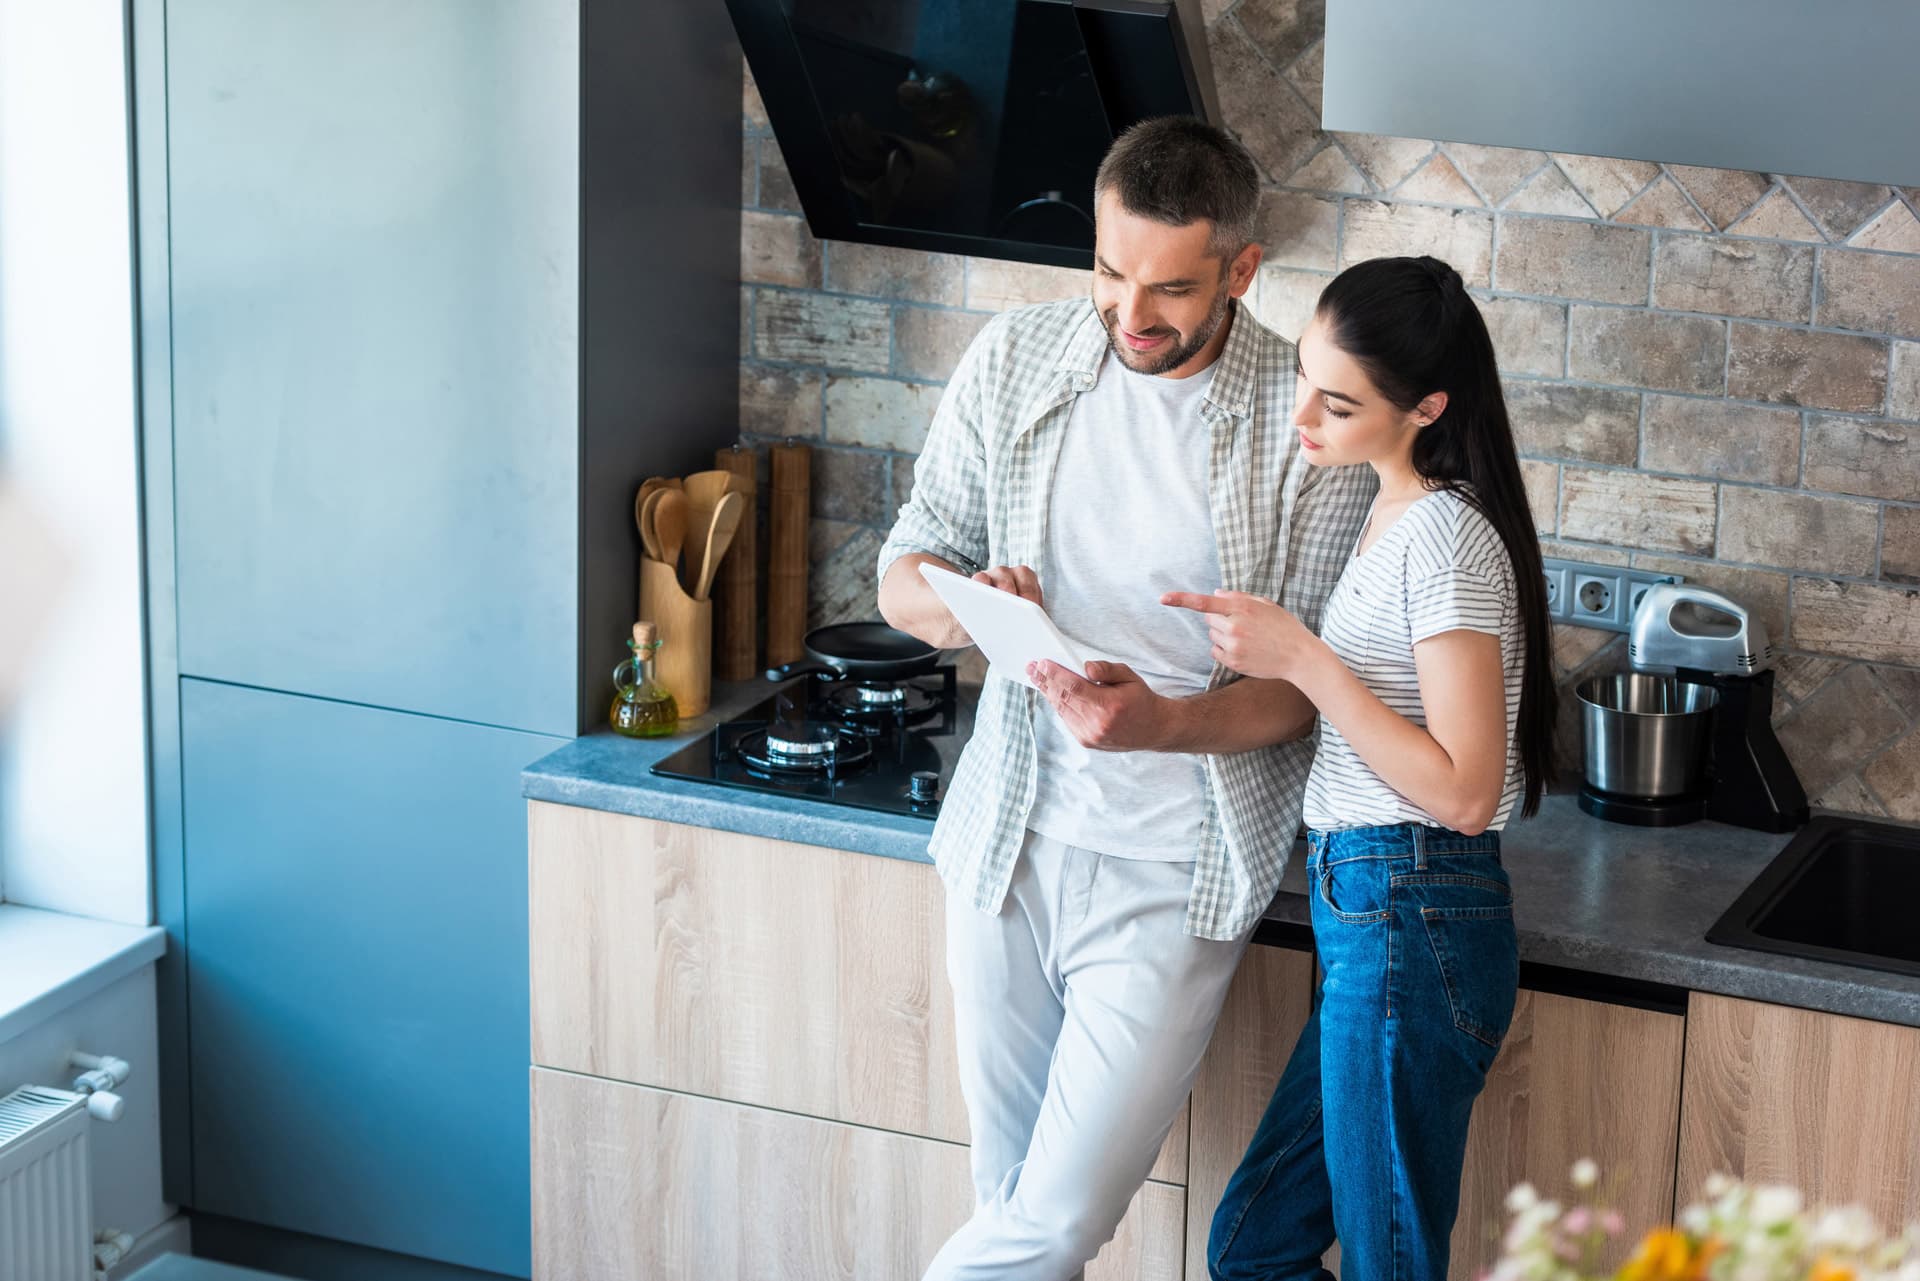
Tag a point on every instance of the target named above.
point(1712, 373)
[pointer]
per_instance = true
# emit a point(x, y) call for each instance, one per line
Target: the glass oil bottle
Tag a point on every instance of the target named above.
point(642, 706)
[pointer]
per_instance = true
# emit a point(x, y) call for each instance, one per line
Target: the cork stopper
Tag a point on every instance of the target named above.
point(644, 633)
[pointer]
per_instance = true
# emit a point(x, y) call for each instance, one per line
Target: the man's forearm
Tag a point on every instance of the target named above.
point(908, 603)
point(1238, 718)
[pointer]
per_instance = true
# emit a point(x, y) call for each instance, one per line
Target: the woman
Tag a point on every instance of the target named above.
point(1436, 703)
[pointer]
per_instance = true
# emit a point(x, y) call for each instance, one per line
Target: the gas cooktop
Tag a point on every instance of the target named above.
point(889, 746)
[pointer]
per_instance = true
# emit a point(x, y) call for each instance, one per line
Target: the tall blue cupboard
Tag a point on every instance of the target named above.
point(426, 288)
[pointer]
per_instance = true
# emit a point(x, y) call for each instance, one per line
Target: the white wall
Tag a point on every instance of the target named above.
point(119, 1020)
point(73, 775)
point(73, 778)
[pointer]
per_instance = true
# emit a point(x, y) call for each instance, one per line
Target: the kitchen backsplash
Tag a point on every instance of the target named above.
point(1712, 373)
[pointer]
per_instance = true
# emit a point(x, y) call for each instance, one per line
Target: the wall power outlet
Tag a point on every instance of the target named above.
point(1603, 596)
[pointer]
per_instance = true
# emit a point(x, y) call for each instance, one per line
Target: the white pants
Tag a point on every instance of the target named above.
point(1082, 1010)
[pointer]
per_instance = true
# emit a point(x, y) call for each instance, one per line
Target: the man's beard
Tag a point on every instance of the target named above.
point(1178, 353)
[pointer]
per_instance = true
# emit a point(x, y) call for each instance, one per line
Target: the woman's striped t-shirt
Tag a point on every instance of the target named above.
point(1439, 568)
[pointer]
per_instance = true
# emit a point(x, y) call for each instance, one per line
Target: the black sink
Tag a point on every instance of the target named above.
point(1843, 890)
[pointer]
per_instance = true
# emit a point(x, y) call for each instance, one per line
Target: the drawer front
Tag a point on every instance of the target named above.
point(1267, 1006)
point(1824, 1102)
point(1574, 1078)
point(633, 1183)
point(744, 968)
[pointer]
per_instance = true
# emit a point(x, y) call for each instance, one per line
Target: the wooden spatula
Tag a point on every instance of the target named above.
point(720, 531)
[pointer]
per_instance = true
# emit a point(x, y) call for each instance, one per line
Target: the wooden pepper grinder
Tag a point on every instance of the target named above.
point(737, 650)
point(787, 553)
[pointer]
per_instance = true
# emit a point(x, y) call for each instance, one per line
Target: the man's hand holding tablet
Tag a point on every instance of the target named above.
point(1000, 609)
point(1105, 704)
point(1016, 580)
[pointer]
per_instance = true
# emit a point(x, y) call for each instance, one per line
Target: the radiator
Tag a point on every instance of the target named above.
point(46, 1192)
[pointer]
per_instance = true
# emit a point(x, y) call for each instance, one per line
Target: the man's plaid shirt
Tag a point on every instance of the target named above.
point(1284, 530)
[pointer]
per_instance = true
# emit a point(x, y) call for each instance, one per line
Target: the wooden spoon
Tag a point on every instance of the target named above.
point(644, 518)
point(726, 519)
point(647, 486)
point(670, 525)
point(704, 490)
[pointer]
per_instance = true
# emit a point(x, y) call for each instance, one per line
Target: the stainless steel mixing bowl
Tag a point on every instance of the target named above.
point(1645, 735)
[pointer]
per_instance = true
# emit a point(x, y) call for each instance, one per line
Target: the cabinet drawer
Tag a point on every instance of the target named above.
point(750, 969)
point(1827, 1103)
point(743, 968)
point(1266, 1008)
point(1574, 1078)
point(633, 1183)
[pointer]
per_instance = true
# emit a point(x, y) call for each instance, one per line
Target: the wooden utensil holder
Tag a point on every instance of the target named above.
point(684, 662)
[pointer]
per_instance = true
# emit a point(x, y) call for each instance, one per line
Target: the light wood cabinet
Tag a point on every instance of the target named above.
point(741, 968)
point(1574, 1078)
point(1266, 1007)
point(638, 1184)
point(744, 1066)
point(1828, 1104)
point(744, 968)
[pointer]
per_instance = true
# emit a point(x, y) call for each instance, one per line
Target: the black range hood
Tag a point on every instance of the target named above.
point(967, 126)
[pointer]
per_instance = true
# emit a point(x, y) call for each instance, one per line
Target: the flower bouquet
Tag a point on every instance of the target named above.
point(1738, 1233)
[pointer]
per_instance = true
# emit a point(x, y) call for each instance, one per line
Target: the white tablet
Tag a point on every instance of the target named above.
point(1010, 630)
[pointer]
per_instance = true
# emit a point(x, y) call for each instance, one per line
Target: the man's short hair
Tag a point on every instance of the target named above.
point(1178, 170)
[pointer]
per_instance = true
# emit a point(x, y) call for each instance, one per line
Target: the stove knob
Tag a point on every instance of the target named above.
point(923, 786)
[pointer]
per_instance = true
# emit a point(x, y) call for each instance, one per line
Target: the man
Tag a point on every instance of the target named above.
point(1107, 854)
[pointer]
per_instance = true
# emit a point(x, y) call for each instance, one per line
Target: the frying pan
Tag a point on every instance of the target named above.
point(861, 651)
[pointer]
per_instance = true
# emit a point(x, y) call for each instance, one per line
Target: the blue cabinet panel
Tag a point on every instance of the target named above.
point(1782, 86)
point(356, 910)
point(375, 296)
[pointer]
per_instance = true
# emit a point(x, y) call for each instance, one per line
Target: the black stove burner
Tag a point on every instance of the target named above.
point(802, 741)
point(866, 704)
point(801, 747)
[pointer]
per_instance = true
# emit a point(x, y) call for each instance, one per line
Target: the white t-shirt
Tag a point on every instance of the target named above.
point(1441, 567)
point(1128, 519)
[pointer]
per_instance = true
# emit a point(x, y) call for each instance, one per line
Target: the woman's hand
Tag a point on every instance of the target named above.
point(1251, 634)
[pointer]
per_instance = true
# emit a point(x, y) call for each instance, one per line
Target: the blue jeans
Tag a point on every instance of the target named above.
point(1366, 1133)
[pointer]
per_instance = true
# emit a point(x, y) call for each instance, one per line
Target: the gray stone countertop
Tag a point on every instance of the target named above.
point(1635, 903)
point(1593, 898)
point(606, 771)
